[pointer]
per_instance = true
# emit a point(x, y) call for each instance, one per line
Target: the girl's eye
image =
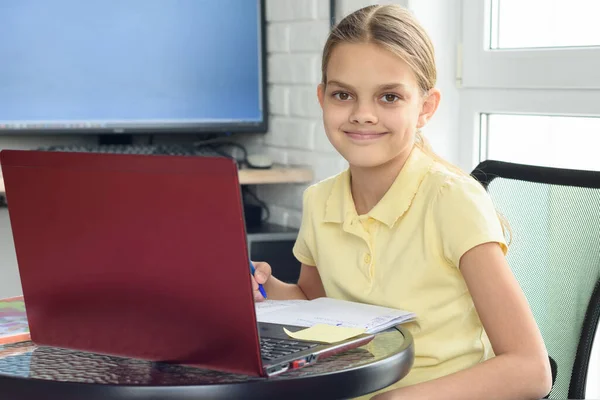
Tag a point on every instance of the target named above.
point(343, 96)
point(390, 98)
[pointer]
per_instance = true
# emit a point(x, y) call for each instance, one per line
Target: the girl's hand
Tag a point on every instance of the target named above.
point(262, 273)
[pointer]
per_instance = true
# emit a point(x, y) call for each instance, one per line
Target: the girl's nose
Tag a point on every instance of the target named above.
point(363, 113)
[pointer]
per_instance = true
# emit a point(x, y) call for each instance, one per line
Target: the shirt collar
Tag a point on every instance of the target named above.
point(340, 206)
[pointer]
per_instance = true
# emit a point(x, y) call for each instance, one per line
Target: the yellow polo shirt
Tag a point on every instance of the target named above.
point(405, 253)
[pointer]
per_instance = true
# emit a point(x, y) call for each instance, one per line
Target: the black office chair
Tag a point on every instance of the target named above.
point(554, 215)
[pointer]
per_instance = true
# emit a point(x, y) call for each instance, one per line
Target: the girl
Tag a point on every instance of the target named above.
point(402, 228)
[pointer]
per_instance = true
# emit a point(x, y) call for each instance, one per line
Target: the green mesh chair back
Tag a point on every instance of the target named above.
point(554, 215)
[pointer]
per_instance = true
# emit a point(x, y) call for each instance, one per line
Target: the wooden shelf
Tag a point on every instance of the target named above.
point(276, 174)
point(247, 176)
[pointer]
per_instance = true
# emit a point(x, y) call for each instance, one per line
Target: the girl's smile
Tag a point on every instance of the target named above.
point(364, 137)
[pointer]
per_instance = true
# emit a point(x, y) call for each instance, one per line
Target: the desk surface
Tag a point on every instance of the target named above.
point(29, 371)
point(247, 176)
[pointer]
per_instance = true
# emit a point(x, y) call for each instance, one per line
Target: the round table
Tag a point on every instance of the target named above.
point(30, 371)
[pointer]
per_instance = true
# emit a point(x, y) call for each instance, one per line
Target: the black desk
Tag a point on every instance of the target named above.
point(28, 371)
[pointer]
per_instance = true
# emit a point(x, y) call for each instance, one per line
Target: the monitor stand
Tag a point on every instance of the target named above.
point(115, 139)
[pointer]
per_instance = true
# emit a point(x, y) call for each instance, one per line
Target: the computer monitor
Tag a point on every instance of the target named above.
point(132, 67)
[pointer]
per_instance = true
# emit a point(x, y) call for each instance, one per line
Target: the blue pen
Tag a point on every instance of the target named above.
point(261, 289)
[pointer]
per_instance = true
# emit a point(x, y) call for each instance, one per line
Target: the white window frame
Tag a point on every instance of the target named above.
point(529, 68)
point(553, 81)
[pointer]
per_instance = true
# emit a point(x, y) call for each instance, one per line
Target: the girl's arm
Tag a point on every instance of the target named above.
point(309, 284)
point(521, 368)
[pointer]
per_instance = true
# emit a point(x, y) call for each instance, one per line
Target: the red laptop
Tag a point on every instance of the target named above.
point(142, 256)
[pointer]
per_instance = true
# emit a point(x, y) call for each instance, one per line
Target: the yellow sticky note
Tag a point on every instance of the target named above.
point(325, 333)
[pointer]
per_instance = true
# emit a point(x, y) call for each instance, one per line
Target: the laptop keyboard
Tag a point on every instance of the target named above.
point(272, 348)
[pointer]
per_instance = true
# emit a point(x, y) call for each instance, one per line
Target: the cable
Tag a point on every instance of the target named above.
point(246, 190)
point(207, 139)
point(237, 146)
point(216, 144)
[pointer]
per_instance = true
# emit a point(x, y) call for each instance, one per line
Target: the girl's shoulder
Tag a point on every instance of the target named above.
point(321, 191)
point(443, 182)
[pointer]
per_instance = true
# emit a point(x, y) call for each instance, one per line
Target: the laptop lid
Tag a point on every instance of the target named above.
point(140, 256)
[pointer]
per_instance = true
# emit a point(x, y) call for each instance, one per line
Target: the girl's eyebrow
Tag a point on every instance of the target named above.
point(392, 86)
point(386, 86)
point(340, 84)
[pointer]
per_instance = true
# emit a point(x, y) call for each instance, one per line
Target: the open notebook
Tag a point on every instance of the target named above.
point(325, 310)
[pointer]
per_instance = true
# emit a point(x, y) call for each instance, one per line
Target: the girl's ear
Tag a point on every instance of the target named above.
point(430, 104)
point(321, 93)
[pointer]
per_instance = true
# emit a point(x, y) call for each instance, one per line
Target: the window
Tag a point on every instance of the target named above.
point(521, 44)
point(552, 141)
point(525, 68)
point(544, 23)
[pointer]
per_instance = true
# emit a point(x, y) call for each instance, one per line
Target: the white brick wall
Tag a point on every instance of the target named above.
point(345, 7)
point(296, 33)
point(297, 10)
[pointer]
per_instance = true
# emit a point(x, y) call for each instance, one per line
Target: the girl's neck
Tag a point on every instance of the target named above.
point(369, 185)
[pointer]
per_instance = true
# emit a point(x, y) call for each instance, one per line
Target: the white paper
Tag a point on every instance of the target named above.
point(335, 312)
point(267, 306)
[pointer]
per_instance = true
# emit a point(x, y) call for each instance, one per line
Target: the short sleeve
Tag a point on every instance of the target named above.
point(304, 247)
point(466, 217)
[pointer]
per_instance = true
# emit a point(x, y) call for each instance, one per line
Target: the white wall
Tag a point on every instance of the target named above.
point(441, 19)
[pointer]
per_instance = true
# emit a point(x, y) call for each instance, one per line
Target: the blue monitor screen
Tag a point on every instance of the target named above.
point(131, 65)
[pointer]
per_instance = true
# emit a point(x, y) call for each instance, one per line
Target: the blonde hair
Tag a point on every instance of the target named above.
point(395, 29)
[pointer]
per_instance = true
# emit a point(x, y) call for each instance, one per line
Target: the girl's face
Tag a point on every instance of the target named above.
point(372, 104)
